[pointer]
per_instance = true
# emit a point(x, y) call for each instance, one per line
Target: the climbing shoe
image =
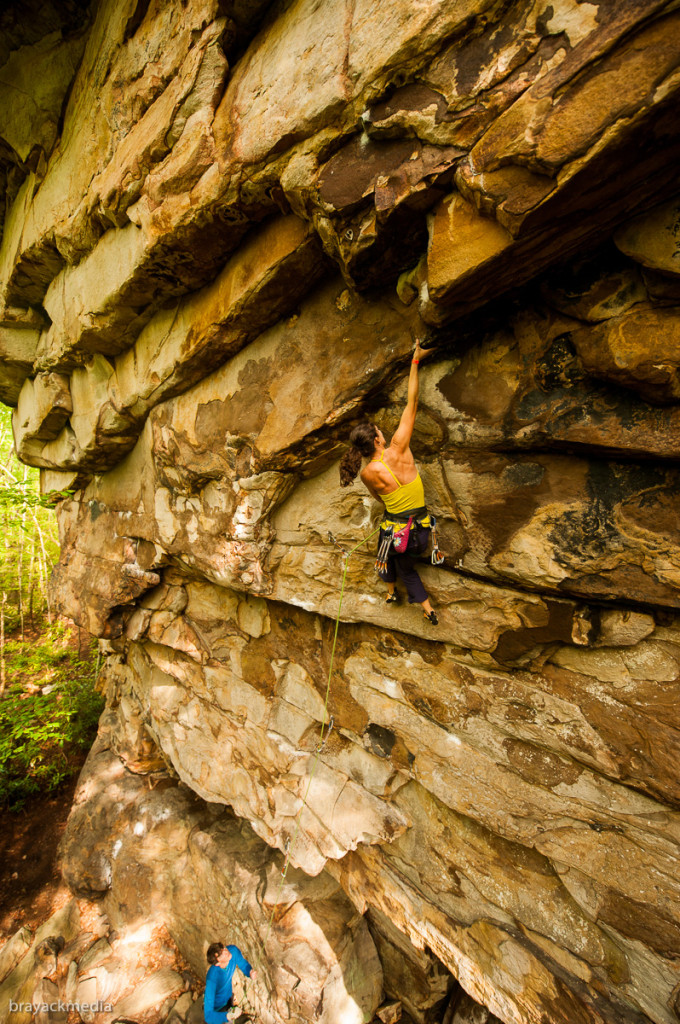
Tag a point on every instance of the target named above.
point(392, 598)
point(432, 618)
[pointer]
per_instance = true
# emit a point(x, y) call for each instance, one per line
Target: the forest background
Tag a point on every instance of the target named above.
point(48, 666)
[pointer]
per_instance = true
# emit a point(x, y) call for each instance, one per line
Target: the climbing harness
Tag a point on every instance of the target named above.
point(395, 532)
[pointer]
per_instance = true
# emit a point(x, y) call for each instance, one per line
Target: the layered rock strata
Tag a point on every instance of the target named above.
point(75, 959)
point(213, 267)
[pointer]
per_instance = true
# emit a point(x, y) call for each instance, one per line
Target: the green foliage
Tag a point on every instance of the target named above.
point(48, 713)
point(28, 538)
point(23, 495)
point(48, 707)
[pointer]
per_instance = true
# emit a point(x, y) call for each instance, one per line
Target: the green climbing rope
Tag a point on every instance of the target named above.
point(346, 557)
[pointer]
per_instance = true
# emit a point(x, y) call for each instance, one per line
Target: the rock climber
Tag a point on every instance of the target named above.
point(218, 998)
point(392, 477)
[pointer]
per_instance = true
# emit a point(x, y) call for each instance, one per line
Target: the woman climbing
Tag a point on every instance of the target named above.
point(392, 477)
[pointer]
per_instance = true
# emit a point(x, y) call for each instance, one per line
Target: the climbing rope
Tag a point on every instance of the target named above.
point(346, 555)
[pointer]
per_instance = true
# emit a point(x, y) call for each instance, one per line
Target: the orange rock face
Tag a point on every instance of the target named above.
point(225, 224)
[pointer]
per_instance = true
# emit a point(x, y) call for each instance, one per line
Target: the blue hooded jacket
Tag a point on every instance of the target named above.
point(218, 986)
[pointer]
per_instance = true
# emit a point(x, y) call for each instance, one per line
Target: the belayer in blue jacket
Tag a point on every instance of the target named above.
point(218, 996)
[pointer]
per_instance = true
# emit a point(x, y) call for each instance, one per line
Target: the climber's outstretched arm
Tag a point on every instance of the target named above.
point(402, 435)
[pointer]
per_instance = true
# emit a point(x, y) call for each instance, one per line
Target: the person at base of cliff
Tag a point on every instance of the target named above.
point(392, 477)
point(218, 998)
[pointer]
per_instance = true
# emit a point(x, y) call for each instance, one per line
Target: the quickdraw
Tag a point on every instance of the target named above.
point(324, 739)
point(340, 548)
point(384, 549)
point(286, 852)
point(436, 557)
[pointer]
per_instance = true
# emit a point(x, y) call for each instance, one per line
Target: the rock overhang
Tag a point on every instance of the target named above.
point(208, 277)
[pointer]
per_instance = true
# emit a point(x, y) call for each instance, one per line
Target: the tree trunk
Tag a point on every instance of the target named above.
point(30, 584)
point(3, 673)
point(20, 574)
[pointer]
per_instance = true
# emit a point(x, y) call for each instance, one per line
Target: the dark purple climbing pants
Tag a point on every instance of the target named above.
point(403, 565)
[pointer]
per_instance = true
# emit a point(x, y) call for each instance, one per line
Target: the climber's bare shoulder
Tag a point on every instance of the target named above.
point(372, 477)
point(401, 462)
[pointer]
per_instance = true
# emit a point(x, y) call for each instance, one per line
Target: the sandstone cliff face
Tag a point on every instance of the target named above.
point(213, 262)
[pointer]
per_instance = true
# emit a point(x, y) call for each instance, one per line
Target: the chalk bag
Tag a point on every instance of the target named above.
point(401, 537)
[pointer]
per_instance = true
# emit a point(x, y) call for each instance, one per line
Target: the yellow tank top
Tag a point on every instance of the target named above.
point(406, 496)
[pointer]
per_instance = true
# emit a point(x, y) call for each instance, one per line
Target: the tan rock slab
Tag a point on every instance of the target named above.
point(20, 982)
point(12, 379)
point(46, 996)
point(179, 347)
point(619, 351)
point(335, 813)
point(14, 949)
point(624, 628)
point(58, 480)
point(550, 125)
point(257, 393)
point(104, 171)
point(396, 702)
point(461, 242)
point(43, 408)
point(468, 948)
point(87, 995)
point(203, 869)
point(18, 345)
point(34, 82)
point(151, 993)
point(180, 1009)
point(111, 400)
point(503, 394)
point(96, 954)
point(93, 303)
point(390, 1013)
point(653, 239)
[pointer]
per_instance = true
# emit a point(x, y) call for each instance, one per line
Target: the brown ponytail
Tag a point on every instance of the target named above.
point(362, 440)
